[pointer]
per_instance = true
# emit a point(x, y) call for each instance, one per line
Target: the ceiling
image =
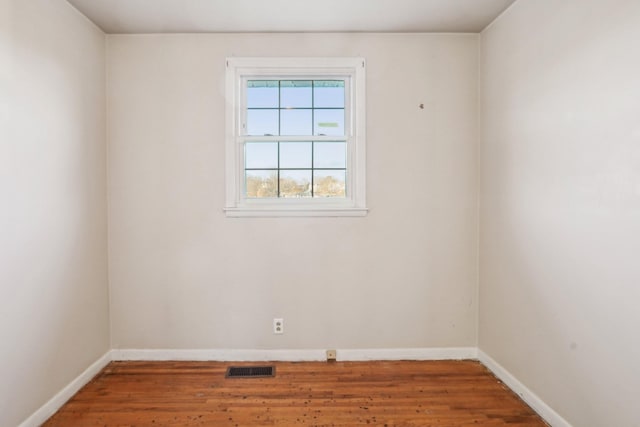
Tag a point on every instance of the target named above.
point(195, 16)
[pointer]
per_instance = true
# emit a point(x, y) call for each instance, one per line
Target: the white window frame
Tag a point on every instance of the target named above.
point(237, 73)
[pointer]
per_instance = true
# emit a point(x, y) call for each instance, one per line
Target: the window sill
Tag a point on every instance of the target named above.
point(264, 212)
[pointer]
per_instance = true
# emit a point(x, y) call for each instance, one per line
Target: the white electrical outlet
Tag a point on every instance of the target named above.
point(278, 326)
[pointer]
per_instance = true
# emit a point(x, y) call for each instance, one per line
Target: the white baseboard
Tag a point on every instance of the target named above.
point(545, 411)
point(223, 355)
point(48, 409)
point(234, 355)
point(453, 353)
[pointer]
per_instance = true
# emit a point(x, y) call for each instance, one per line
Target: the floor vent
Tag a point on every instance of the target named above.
point(250, 371)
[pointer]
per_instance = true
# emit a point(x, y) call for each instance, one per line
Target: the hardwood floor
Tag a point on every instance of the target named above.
point(433, 393)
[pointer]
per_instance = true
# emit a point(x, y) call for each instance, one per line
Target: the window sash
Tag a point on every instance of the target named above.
point(348, 103)
point(244, 137)
point(349, 154)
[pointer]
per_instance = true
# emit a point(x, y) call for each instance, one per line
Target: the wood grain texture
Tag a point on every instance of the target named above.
point(433, 393)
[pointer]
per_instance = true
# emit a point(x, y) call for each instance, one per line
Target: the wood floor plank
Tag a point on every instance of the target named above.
point(432, 393)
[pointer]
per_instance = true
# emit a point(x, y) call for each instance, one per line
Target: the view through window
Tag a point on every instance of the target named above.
point(295, 169)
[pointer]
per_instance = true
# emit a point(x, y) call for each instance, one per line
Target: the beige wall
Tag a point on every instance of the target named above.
point(560, 196)
point(185, 276)
point(53, 270)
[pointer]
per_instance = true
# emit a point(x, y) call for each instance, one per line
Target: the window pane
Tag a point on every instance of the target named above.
point(295, 122)
point(295, 183)
point(262, 94)
point(295, 94)
point(261, 183)
point(328, 122)
point(329, 183)
point(262, 122)
point(295, 155)
point(330, 155)
point(328, 93)
point(261, 155)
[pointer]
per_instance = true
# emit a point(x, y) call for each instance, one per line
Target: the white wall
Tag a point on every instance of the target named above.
point(185, 276)
point(53, 270)
point(560, 196)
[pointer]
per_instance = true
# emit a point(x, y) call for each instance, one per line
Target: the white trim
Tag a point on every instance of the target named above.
point(450, 353)
point(222, 355)
point(56, 402)
point(282, 212)
point(311, 355)
point(545, 411)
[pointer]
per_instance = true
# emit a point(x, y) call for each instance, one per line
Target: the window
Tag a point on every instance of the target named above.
point(295, 137)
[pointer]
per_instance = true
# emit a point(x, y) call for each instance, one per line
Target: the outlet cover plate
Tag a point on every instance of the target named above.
point(278, 326)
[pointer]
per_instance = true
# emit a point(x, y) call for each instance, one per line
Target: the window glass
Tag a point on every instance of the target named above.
point(261, 183)
point(328, 94)
point(262, 122)
point(329, 155)
point(295, 183)
point(295, 122)
point(295, 155)
point(328, 122)
point(329, 183)
point(296, 94)
point(262, 94)
point(261, 155)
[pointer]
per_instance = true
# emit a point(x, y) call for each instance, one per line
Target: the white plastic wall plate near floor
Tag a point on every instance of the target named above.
point(278, 326)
